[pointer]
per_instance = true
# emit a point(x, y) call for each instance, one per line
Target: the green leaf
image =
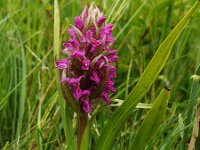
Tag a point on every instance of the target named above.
point(173, 137)
point(152, 121)
point(23, 91)
point(120, 116)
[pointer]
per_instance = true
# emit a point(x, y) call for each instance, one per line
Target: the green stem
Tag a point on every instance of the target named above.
point(82, 123)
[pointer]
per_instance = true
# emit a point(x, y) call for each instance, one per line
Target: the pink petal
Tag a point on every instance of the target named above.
point(86, 106)
point(94, 77)
point(101, 21)
point(72, 33)
point(106, 98)
point(62, 64)
point(79, 23)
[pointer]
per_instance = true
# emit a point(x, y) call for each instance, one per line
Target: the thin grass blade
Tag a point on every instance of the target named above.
point(194, 94)
point(63, 108)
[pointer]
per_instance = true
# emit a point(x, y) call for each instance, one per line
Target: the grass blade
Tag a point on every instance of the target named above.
point(157, 63)
point(65, 118)
point(23, 93)
point(194, 94)
point(131, 19)
point(152, 121)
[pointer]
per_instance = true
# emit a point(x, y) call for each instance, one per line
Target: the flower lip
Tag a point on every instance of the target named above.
point(62, 64)
point(86, 106)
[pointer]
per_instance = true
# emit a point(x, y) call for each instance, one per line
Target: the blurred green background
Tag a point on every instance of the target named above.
point(29, 110)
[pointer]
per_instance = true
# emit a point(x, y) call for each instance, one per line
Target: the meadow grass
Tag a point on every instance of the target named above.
point(31, 115)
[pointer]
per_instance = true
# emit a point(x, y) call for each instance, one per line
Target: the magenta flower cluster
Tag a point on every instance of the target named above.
point(88, 67)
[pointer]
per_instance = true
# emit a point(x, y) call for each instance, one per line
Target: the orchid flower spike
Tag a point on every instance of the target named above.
point(88, 67)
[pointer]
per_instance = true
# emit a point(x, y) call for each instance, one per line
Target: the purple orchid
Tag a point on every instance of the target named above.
point(88, 68)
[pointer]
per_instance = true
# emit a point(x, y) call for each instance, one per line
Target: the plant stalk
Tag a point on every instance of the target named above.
point(82, 123)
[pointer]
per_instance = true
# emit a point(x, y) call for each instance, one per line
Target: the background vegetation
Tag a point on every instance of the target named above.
point(30, 115)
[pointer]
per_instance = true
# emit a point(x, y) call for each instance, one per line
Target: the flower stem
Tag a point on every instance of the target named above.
point(82, 123)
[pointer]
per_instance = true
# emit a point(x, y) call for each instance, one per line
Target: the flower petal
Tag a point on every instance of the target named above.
point(112, 57)
point(85, 101)
point(106, 98)
point(86, 106)
point(79, 23)
point(95, 45)
point(62, 64)
point(110, 86)
point(72, 33)
point(74, 81)
point(94, 77)
point(76, 92)
point(78, 54)
point(89, 36)
point(72, 44)
point(101, 20)
point(112, 72)
point(85, 64)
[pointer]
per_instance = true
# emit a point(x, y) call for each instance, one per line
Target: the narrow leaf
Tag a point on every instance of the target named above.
point(152, 121)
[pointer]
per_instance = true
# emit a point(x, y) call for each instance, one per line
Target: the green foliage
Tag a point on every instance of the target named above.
point(157, 63)
point(152, 122)
point(33, 114)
